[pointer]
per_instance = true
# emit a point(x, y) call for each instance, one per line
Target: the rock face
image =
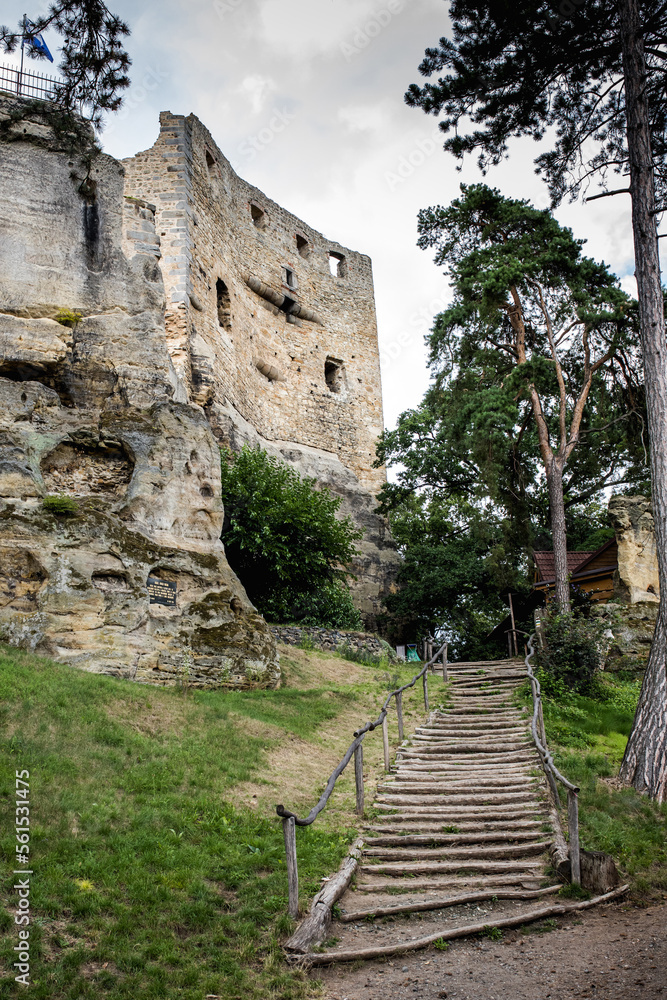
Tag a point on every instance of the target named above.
point(92, 411)
point(636, 580)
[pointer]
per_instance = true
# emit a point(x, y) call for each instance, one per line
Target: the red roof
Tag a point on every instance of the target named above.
point(545, 563)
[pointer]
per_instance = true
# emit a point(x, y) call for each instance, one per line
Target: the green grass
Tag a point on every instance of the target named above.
point(587, 736)
point(148, 882)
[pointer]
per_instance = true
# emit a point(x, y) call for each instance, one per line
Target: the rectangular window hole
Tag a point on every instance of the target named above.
point(224, 304)
point(337, 264)
point(334, 374)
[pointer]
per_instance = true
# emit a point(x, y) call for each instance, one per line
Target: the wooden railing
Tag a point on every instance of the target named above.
point(552, 772)
point(291, 820)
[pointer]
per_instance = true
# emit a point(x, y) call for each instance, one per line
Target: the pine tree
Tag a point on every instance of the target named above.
point(593, 74)
point(94, 63)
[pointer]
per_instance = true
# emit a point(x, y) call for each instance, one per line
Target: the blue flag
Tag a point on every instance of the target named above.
point(36, 42)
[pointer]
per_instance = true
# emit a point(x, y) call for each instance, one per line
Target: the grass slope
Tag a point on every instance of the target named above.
point(587, 736)
point(153, 877)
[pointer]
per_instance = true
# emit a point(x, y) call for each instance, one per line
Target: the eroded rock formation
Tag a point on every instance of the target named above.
point(93, 413)
point(636, 580)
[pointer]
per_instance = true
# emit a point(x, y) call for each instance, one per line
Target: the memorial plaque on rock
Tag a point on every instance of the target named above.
point(161, 591)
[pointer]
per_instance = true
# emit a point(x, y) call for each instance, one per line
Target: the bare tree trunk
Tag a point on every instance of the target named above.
point(558, 530)
point(645, 760)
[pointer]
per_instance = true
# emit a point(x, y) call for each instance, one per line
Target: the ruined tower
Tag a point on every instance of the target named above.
point(271, 328)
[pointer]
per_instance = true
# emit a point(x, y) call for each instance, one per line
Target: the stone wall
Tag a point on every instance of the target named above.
point(278, 350)
point(93, 411)
point(333, 639)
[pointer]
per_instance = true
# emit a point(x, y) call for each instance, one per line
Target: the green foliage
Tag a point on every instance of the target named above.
point(470, 499)
point(493, 933)
point(283, 538)
point(94, 63)
point(68, 317)
point(365, 656)
point(441, 944)
point(60, 506)
point(151, 882)
point(571, 657)
point(561, 77)
point(587, 735)
point(329, 607)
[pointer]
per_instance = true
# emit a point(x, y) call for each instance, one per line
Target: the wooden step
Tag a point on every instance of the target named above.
point(425, 839)
point(441, 902)
point(473, 865)
point(396, 887)
point(448, 852)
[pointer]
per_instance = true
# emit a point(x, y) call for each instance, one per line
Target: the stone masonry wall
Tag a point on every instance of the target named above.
point(204, 214)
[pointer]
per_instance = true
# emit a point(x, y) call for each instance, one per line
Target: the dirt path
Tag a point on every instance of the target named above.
point(614, 952)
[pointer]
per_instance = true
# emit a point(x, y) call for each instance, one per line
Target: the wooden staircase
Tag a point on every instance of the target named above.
point(462, 819)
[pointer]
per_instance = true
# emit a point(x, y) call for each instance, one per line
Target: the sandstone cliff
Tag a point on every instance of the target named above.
point(91, 410)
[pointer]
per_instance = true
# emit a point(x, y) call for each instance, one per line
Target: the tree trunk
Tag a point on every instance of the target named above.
point(559, 533)
point(645, 760)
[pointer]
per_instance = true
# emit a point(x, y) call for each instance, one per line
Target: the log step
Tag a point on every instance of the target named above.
point(425, 839)
point(442, 902)
point(471, 865)
point(482, 852)
point(396, 887)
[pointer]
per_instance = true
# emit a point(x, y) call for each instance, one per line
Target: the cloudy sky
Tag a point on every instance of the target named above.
point(344, 153)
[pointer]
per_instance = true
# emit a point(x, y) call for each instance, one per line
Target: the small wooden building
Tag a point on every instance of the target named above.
point(591, 571)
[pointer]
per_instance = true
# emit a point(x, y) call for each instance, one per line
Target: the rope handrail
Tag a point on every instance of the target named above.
point(550, 769)
point(358, 738)
point(542, 747)
point(291, 820)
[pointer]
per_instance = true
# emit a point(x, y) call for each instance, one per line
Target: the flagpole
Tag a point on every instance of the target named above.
point(18, 88)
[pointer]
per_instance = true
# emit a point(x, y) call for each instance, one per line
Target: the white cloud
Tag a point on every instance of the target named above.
point(257, 90)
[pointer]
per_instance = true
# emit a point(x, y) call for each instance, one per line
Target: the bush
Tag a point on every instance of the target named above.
point(283, 538)
point(330, 607)
point(571, 657)
point(68, 317)
point(60, 506)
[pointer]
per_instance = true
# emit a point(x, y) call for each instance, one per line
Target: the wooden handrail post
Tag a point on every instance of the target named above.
point(543, 731)
point(289, 833)
point(426, 690)
point(385, 742)
point(444, 665)
point(359, 777)
point(573, 826)
point(399, 713)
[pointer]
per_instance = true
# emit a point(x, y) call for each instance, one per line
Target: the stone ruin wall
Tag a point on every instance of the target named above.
point(275, 348)
point(93, 410)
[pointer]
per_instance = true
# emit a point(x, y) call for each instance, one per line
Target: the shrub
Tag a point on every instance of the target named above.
point(283, 538)
point(329, 607)
point(67, 317)
point(571, 656)
point(60, 506)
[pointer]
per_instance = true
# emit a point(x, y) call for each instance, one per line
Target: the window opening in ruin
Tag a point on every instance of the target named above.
point(289, 277)
point(210, 162)
point(258, 216)
point(334, 374)
point(288, 304)
point(337, 264)
point(224, 304)
point(302, 245)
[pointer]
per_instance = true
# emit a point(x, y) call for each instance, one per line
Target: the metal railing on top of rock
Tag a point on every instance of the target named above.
point(552, 772)
point(291, 820)
point(25, 83)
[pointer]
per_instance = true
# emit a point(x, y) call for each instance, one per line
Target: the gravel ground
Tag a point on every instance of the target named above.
point(614, 952)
